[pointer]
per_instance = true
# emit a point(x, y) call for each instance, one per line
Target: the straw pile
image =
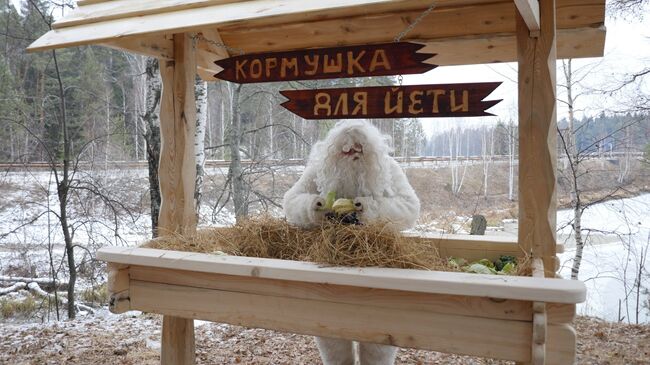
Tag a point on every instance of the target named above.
point(333, 244)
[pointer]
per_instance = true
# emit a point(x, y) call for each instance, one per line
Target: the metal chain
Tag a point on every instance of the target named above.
point(410, 27)
point(197, 37)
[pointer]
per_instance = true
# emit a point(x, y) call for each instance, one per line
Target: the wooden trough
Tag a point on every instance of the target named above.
point(525, 319)
point(502, 317)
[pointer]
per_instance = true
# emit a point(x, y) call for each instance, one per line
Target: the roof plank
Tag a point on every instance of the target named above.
point(450, 22)
point(275, 28)
point(262, 12)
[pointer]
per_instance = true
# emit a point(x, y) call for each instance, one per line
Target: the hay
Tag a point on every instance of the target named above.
point(372, 245)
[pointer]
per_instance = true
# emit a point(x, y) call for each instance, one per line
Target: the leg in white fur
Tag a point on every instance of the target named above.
point(335, 351)
point(373, 354)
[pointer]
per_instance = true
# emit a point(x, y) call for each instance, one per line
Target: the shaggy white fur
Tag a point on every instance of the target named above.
point(354, 161)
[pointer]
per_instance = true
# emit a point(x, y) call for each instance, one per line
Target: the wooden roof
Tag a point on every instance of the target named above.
point(460, 31)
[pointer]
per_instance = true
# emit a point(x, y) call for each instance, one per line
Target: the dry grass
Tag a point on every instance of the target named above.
point(331, 244)
point(373, 245)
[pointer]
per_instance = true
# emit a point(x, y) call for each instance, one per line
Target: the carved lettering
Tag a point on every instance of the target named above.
point(323, 101)
point(415, 106)
point(313, 63)
point(333, 65)
point(398, 107)
point(271, 63)
point(256, 69)
point(289, 64)
point(462, 107)
point(353, 62)
point(435, 93)
point(407, 101)
point(239, 69)
point(379, 59)
point(341, 107)
point(361, 98)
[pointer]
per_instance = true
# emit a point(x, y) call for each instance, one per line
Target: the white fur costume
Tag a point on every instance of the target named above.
point(353, 160)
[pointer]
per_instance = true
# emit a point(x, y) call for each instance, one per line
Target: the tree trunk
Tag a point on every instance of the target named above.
point(152, 137)
point(577, 231)
point(238, 190)
point(63, 187)
point(201, 96)
point(571, 150)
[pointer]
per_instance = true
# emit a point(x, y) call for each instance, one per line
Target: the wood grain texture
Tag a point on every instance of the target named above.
point(254, 28)
point(117, 285)
point(100, 11)
point(177, 169)
point(435, 282)
point(537, 136)
point(208, 52)
point(177, 343)
point(495, 48)
point(443, 23)
point(158, 46)
point(501, 339)
point(529, 12)
point(413, 101)
point(436, 303)
point(395, 58)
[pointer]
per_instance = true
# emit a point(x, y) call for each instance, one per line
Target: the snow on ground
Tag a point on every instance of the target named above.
point(619, 233)
point(608, 266)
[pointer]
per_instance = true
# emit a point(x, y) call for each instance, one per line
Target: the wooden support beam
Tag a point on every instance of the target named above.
point(529, 12)
point(158, 46)
point(177, 173)
point(537, 135)
point(208, 51)
point(177, 170)
point(118, 288)
point(177, 344)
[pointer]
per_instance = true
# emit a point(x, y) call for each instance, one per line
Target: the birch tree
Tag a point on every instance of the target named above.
point(201, 95)
point(151, 120)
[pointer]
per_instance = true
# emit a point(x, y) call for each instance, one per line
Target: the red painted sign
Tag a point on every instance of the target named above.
point(413, 101)
point(326, 63)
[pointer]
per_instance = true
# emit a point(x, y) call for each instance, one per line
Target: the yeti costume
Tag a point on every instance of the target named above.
point(354, 161)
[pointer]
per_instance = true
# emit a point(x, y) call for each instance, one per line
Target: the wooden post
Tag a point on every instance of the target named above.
point(537, 136)
point(537, 155)
point(177, 345)
point(177, 172)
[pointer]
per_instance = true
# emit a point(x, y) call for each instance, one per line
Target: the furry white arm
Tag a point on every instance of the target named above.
point(302, 204)
point(401, 208)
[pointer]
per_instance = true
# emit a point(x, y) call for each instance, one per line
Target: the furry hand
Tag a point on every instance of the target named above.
point(367, 208)
point(317, 211)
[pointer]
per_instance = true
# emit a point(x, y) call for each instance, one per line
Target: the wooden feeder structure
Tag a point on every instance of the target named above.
point(525, 319)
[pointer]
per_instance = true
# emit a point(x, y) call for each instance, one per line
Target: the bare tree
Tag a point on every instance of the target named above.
point(201, 95)
point(152, 136)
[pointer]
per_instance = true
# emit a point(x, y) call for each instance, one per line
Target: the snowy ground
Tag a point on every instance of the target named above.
point(134, 339)
point(619, 240)
point(608, 267)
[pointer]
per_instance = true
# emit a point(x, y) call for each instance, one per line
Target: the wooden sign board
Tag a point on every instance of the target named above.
point(326, 63)
point(413, 101)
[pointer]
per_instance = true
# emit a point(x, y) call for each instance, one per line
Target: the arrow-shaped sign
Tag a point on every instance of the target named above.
point(413, 101)
point(326, 63)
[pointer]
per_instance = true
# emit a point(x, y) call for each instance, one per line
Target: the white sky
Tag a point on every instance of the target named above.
point(627, 49)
